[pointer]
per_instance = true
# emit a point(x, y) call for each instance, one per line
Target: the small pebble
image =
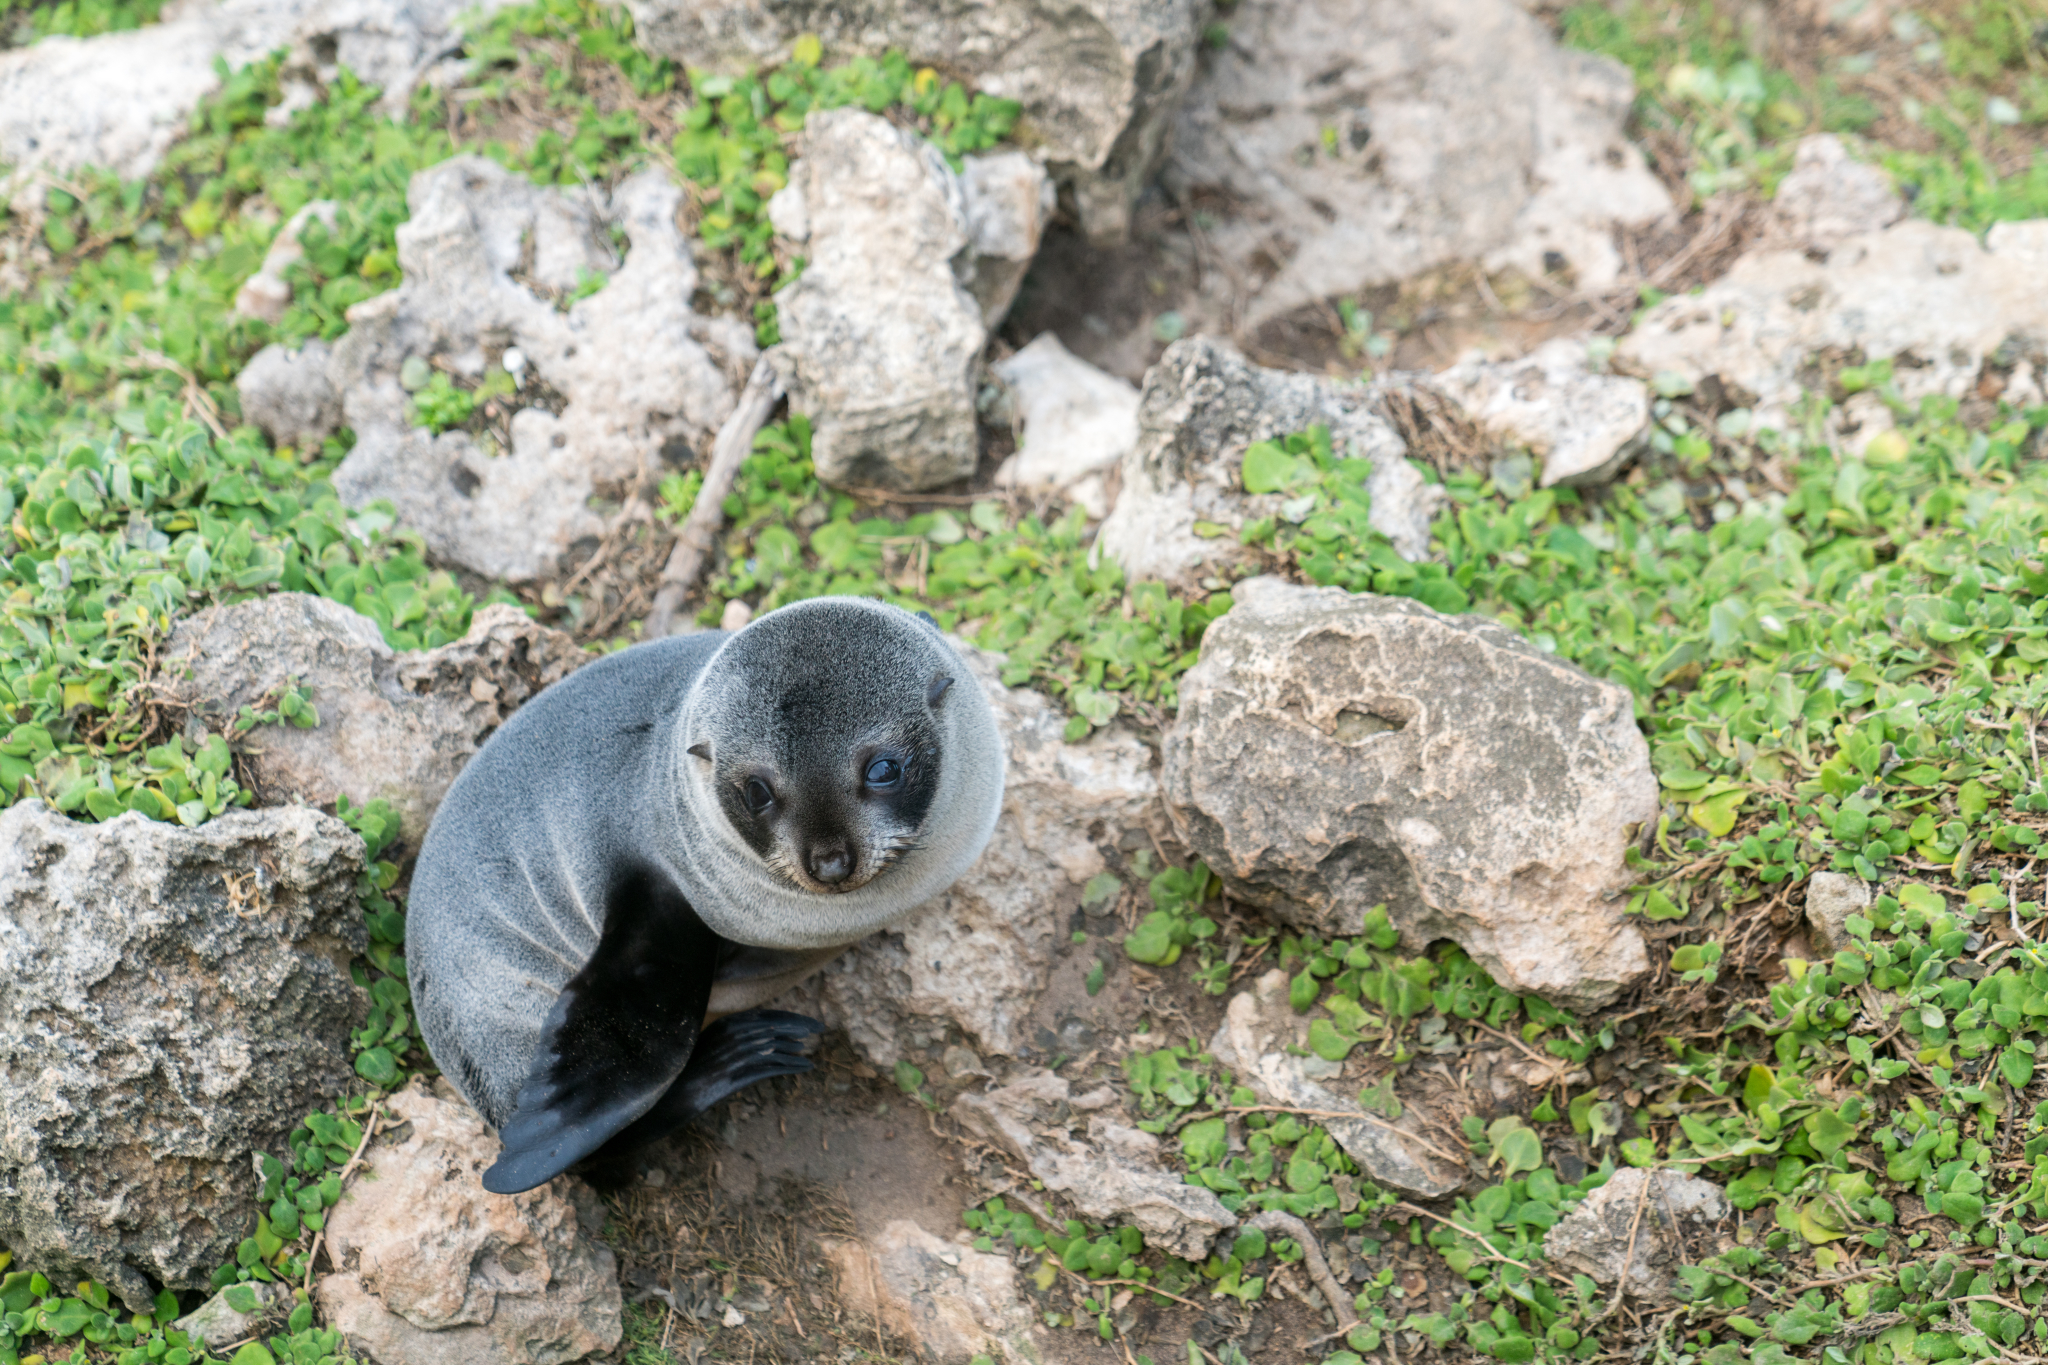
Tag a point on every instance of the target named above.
point(514, 361)
point(733, 1317)
point(735, 616)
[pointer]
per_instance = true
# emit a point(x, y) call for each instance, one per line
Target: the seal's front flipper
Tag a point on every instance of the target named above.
point(618, 1038)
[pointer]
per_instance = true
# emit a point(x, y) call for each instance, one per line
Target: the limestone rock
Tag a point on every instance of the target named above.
point(1202, 404)
point(980, 956)
point(1112, 1172)
point(1099, 79)
point(217, 1323)
point(1371, 142)
point(1933, 298)
point(435, 1271)
point(884, 340)
point(1583, 426)
point(1830, 195)
point(287, 394)
point(488, 258)
point(1259, 1041)
point(267, 293)
point(1334, 751)
point(176, 998)
point(1078, 422)
point(1831, 897)
point(119, 100)
point(954, 1302)
point(1009, 202)
point(1679, 1224)
point(396, 726)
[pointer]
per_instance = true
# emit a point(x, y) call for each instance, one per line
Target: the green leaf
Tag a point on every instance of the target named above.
point(1326, 1042)
point(253, 1353)
point(1518, 1150)
point(241, 1298)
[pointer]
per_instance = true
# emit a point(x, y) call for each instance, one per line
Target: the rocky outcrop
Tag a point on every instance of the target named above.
point(435, 1271)
point(288, 395)
point(1583, 426)
point(1264, 1042)
point(395, 726)
point(1936, 300)
point(884, 339)
point(119, 100)
point(1008, 202)
point(1098, 80)
point(176, 999)
point(1830, 196)
point(1364, 143)
point(954, 1303)
point(1640, 1225)
point(1335, 751)
point(1112, 1171)
point(980, 956)
point(1078, 422)
point(1202, 405)
point(494, 263)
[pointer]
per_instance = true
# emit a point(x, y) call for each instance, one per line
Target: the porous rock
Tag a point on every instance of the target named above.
point(490, 259)
point(218, 1323)
point(1936, 300)
point(1642, 1225)
point(979, 956)
point(1098, 79)
point(1009, 201)
point(1264, 1042)
point(287, 393)
point(1829, 195)
point(119, 100)
point(1201, 406)
point(1334, 751)
point(1368, 142)
point(176, 999)
point(1112, 1171)
point(883, 338)
point(955, 1303)
point(1583, 426)
point(1831, 897)
point(1078, 422)
point(394, 726)
point(435, 1271)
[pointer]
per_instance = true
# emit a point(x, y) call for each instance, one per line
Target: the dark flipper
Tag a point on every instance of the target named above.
point(734, 1053)
point(619, 1037)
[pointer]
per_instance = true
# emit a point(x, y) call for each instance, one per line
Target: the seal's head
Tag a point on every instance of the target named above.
point(822, 729)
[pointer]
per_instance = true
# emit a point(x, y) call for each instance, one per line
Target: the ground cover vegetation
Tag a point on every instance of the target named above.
point(1838, 660)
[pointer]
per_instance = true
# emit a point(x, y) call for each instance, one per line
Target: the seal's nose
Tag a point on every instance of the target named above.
point(830, 863)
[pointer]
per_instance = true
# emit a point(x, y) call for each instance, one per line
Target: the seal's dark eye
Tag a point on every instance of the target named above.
point(884, 772)
point(757, 795)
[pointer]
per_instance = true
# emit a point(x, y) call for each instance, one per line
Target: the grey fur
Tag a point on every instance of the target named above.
point(508, 896)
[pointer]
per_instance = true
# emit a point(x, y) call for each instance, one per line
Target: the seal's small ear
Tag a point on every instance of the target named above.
point(936, 690)
point(702, 751)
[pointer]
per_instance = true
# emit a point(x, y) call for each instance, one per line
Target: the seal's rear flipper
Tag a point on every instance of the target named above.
point(734, 1053)
point(739, 1050)
point(619, 1038)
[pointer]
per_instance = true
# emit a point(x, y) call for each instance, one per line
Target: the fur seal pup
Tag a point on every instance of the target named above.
point(667, 838)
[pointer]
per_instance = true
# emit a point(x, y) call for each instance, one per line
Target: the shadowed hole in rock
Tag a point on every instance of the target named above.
point(1353, 724)
point(466, 483)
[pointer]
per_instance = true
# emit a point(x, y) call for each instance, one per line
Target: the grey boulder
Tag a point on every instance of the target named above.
point(493, 264)
point(1202, 405)
point(176, 999)
point(1638, 1228)
point(1099, 79)
point(1361, 143)
point(1584, 426)
point(1335, 751)
point(394, 726)
point(884, 338)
